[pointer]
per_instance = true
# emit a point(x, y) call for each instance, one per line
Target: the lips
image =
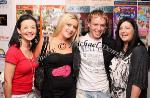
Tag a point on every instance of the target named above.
point(124, 35)
point(30, 35)
point(69, 32)
point(97, 33)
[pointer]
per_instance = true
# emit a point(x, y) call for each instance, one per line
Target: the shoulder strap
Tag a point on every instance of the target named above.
point(44, 48)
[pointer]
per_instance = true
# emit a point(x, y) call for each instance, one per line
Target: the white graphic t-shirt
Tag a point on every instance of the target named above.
point(92, 74)
point(119, 71)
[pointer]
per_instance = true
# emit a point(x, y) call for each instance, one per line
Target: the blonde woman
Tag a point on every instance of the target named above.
point(58, 60)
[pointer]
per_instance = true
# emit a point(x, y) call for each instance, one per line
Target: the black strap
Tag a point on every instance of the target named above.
point(44, 48)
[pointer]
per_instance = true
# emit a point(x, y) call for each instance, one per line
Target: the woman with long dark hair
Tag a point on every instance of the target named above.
point(20, 61)
point(129, 71)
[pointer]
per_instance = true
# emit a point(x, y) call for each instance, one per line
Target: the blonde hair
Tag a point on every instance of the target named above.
point(62, 22)
point(98, 13)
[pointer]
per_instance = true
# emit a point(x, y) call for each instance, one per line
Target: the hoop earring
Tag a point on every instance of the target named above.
point(36, 41)
point(20, 42)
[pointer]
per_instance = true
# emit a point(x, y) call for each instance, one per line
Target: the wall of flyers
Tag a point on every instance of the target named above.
point(115, 10)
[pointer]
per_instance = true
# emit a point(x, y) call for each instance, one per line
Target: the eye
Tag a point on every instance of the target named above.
point(103, 25)
point(25, 28)
point(69, 25)
point(127, 27)
point(75, 27)
point(95, 24)
point(120, 28)
point(33, 27)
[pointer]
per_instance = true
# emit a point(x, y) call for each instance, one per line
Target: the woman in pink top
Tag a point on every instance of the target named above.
point(20, 61)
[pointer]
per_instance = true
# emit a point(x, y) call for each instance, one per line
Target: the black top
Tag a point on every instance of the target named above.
point(138, 71)
point(55, 80)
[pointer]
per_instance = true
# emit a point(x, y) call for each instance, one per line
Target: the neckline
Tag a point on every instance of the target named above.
point(27, 57)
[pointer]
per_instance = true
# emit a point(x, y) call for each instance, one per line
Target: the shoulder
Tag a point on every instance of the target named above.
point(107, 40)
point(140, 53)
point(39, 47)
point(13, 54)
point(139, 50)
point(13, 49)
point(84, 36)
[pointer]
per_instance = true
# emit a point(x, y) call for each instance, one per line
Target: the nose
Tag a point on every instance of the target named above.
point(122, 29)
point(99, 28)
point(30, 29)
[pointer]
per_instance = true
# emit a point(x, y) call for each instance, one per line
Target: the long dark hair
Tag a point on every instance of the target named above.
point(15, 37)
point(135, 40)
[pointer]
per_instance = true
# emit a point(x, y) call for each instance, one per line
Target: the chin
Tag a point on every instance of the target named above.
point(124, 40)
point(68, 37)
point(97, 37)
point(30, 39)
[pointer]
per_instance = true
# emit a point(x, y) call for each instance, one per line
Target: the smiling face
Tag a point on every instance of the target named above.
point(126, 31)
point(97, 26)
point(69, 29)
point(27, 30)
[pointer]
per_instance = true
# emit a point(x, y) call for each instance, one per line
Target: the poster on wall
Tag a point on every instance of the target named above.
point(124, 9)
point(126, 0)
point(40, 2)
point(143, 0)
point(3, 1)
point(2, 59)
point(90, 2)
point(5, 28)
point(3, 20)
point(33, 10)
point(49, 16)
point(28, 9)
point(46, 15)
point(143, 18)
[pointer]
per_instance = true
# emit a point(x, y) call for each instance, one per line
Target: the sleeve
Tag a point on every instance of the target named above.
point(11, 55)
point(76, 60)
point(139, 63)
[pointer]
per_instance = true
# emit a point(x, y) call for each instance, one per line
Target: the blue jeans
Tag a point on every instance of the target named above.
point(90, 94)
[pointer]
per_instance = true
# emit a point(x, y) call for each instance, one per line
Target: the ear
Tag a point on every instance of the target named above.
point(18, 31)
point(88, 24)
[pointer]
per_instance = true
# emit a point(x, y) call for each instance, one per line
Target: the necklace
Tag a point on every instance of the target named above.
point(30, 59)
point(31, 63)
point(62, 46)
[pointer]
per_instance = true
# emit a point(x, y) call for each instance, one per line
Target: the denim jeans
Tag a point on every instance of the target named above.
point(91, 94)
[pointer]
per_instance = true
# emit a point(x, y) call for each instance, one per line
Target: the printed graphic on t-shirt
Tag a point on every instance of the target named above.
point(92, 74)
point(119, 69)
point(62, 71)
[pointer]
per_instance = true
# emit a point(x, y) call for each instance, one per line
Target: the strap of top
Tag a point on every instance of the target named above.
point(44, 48)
